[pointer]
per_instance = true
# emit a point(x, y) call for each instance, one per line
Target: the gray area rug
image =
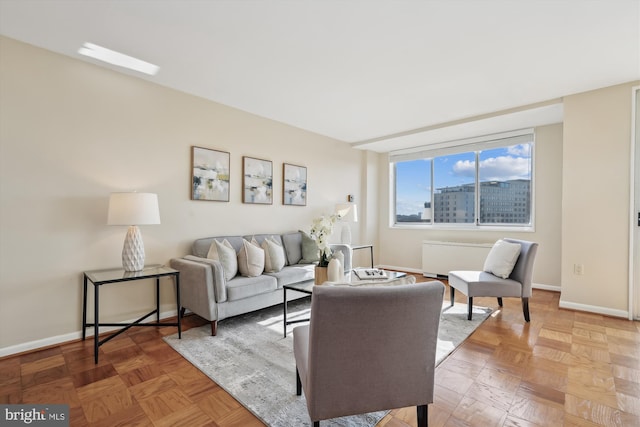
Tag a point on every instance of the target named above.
point(251, 360)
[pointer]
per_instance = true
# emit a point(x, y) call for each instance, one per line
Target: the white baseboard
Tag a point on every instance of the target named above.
point(72, 336)
point(594, 309)
point(544, 287)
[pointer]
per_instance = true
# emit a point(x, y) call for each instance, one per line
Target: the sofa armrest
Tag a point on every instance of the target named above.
point(346, 251)
point(219, 282)
point(198, 290)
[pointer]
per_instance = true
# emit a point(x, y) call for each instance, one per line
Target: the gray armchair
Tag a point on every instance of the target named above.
point(483, 284)
point(368, 349)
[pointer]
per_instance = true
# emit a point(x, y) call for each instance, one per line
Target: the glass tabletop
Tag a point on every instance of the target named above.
point(120, 275)
point(351, 279)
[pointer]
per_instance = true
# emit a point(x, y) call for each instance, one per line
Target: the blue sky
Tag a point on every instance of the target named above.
point(413, 187)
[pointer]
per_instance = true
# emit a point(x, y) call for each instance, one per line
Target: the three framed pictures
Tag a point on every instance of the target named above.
point(210, 179)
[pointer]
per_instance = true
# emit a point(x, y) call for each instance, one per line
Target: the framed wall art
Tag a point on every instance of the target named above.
point(294, 185)
point(209, 174)
point(257, 181)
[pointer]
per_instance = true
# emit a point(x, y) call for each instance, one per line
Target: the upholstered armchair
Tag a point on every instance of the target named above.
point(515, 280)
point(368, 349)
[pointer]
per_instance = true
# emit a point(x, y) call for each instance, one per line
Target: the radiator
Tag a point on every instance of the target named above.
point(439, 258)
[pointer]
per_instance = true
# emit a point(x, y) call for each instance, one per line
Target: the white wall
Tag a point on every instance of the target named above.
point(595, 217)
point(72, 132)
point(402, 247)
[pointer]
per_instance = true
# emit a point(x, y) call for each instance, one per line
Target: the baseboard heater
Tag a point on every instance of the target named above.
point(439, 258)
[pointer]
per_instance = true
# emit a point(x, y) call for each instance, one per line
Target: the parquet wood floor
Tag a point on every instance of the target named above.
point(564, 368)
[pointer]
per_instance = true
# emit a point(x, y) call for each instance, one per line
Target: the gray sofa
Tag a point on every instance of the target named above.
point(205, 292)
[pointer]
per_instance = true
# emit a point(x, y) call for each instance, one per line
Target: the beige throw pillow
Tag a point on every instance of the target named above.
point(274, 258)
point(250, 259)
point(224, 252)
point(502, 258)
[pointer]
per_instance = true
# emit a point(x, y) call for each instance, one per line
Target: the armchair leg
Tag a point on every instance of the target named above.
point(452, 292)
point(470, 308)
point(525, 308)
point(316, 424)
point(214, 328)
point(500, 301)
point(298, 383)
point(423, 415)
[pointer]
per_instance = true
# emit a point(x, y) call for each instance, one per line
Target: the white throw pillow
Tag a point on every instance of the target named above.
point(227, 257)
point(213, 251)
point(274, 258)
point(502, 258)
point(250, 259)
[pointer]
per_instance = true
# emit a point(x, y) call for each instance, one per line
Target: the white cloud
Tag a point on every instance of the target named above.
point(499, 168)
point(522, 150)
point(503, 168)
point(465, 168)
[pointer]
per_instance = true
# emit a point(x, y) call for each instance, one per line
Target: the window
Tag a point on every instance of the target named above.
point(478, 184)
point(413, 191)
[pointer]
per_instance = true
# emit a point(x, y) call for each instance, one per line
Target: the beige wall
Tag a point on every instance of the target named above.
point(595, 217)
point(406, 250)
point(72, 132)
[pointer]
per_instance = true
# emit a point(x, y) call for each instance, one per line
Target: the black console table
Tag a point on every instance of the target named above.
point(102, 277)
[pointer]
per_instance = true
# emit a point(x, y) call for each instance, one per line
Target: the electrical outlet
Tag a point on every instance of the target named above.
point(578, 269)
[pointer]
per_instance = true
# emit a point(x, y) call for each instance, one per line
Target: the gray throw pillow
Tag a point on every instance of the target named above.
point(310, 250)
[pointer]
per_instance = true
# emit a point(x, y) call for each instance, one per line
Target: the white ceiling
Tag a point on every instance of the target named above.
point(381, 75)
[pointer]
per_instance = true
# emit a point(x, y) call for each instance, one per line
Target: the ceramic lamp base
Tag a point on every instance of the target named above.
point(133, 250)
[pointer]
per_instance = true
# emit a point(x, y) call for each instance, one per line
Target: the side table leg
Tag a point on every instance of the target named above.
point(96, 321)
point(157, 300)
point(285, 311)
point(84, 308)
point(177, 279)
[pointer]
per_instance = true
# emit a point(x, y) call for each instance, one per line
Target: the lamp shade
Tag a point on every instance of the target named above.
point(348, 212)
point(133, 209)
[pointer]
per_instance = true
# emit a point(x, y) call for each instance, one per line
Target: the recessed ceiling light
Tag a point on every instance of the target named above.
point(116, 58)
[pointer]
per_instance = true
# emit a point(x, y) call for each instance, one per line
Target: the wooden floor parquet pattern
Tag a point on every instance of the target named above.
point(564, 368)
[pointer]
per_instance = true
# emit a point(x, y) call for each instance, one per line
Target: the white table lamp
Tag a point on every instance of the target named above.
point(348, 213)
point(133, 209)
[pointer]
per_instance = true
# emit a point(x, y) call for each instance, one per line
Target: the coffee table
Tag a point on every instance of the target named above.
point(350, 278)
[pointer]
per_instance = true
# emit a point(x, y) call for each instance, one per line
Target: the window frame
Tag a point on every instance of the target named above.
point(475, 146)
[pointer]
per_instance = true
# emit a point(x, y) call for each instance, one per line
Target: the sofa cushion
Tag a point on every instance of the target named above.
point(310, 250)
point(250, 259)
point(244, 287)
point(274, 257)
point(294, 274)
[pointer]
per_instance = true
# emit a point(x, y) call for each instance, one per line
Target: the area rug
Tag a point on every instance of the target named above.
point(253, 362)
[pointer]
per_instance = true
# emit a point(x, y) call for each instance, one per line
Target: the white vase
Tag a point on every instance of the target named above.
point(334, 270)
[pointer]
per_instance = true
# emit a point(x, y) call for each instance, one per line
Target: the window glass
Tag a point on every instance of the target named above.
point(454, 179)
point(505, 185)
point(483, 183)
point(413, 191)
